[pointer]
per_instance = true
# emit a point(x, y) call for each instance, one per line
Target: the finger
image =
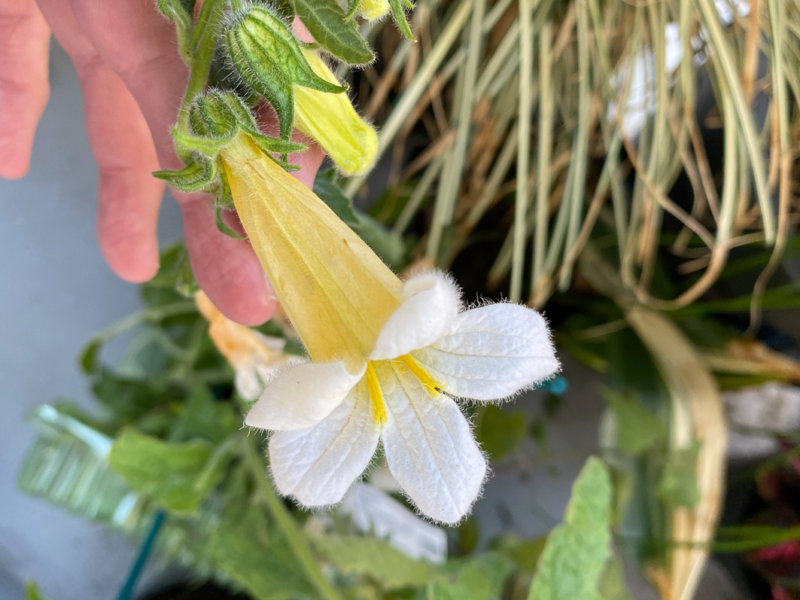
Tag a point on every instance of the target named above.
point(144, 55)
point(129, 196)
point(140, 46)
point(24, 84)
point(236, 285)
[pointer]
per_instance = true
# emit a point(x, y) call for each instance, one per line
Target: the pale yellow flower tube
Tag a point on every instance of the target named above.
point(335, 290)
point(331, 120)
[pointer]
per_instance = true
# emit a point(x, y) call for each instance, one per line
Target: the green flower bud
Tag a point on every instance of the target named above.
point(269, 59)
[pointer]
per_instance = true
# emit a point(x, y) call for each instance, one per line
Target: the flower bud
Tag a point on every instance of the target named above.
point(269, 59)
point(373, 9)
point(332, 121)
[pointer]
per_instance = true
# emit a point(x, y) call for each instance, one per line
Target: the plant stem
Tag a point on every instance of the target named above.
point(286, 524)
point(202, 43)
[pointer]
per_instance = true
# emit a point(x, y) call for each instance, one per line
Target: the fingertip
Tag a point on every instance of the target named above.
point(17, 132)
point(14, 163)
point(136, 268)
point(247, 313)
point(127, 222)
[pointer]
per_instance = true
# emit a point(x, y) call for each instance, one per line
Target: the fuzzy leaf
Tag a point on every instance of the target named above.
point(479, 579)
point(261, 564)
point(500, 431)
point(328, 23)
point(193, 177)
point(208, 146)
point(376, 559)
point(272, 144)
point(572, 563)
point(399, 16)
point(172, 474)
point(204, 417)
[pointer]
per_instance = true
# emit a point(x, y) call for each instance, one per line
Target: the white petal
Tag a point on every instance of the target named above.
point(429, 446)
point(301, 396)
point(317, 465)
point(433, 301)
point(491, 352)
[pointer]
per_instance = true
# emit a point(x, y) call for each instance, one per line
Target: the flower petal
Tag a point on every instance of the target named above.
point(317, 465)
point(429, 446)
point(301, 396)
point(433, 301)
point(491, 352)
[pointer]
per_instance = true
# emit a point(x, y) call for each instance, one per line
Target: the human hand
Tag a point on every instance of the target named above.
point(132, 81)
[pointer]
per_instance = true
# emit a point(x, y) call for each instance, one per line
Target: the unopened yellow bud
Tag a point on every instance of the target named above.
point(331, 120)
point(373, 9)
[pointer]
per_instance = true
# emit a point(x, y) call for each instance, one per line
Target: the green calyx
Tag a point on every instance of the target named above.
point(269, 59)
point(215, 118)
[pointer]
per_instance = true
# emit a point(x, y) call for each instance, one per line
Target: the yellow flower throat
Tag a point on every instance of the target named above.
point(376, 401)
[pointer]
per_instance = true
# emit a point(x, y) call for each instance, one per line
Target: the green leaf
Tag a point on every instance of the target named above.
point(572, 563)
point(327, 189)
point(146, 355)
point(202, 416)
point(174, 275)
point(612, 583)
point(678, 485)
point(219, 209)
point(526, 553)
point(499, 431)
point(330, 27)
point(209, 146)
point(273, 144)
point(399, 16)
point(173, 474)
point(258, 561)
point(478, 579)
point(637, 428)
point(376, 559)
point(386, 244)
point(352, 8)
point(129, 398)
point(193, 177)
point(32, 591)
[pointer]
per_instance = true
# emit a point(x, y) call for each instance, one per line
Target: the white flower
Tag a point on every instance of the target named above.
point(328, 418)
point(387, 358)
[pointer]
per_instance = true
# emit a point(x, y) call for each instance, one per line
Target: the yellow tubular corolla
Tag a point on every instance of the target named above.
point(336, 291)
